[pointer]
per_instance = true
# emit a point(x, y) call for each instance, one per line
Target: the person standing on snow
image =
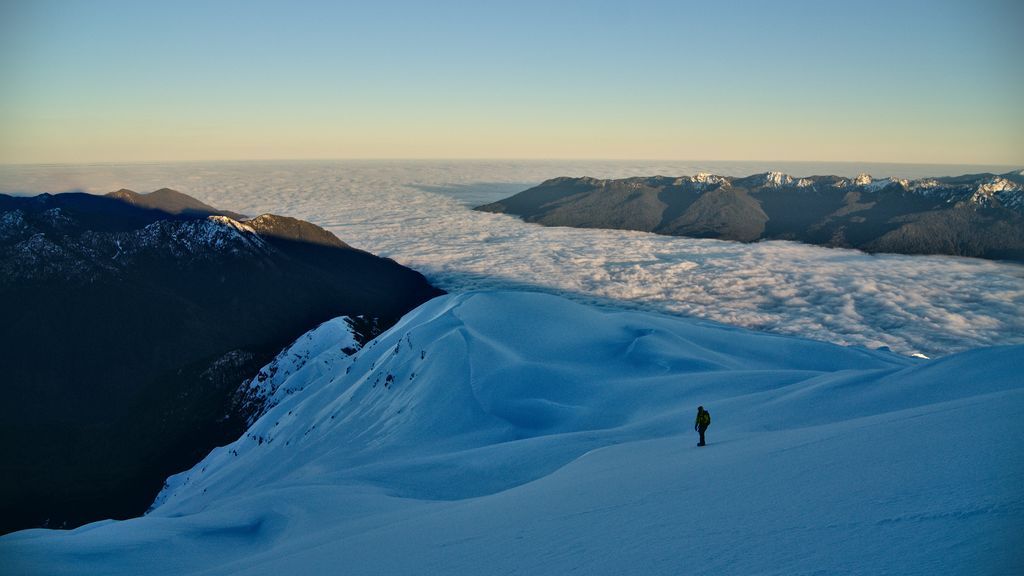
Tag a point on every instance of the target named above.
point(702, 423)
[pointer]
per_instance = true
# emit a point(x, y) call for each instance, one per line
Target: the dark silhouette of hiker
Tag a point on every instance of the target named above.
point(702, 423)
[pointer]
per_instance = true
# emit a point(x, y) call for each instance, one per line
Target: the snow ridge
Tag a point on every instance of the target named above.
point(369, 402)
point(496, 432)
point(777, 179)
point(705, 180)
point(325, 348)
point(199, 236)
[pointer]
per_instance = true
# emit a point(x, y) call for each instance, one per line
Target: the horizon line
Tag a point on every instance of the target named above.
point(494, 159)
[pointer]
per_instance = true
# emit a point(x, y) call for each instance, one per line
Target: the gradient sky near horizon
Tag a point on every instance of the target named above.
point(935, 81)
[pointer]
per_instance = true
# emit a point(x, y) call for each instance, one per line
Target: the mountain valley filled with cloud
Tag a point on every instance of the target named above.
point(419, 213)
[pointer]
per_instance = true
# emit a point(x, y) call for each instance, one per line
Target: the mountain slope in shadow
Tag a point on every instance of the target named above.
point(130, 322)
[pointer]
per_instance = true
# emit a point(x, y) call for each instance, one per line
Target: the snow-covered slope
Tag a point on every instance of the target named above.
point(316, 352)
point(501, 433)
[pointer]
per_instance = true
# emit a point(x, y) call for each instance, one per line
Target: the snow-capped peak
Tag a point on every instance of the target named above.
point(804, 183)
point(862, 179)
point(997, 184)
point(875, 185)
point(999, 190)
point(704, 180)
point(705, 177)
point(776, 179)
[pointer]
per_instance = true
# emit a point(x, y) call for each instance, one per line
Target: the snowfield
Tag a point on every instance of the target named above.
point(521, 433)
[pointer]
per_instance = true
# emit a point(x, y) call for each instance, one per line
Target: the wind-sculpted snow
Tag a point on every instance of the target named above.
point(330, 343)
point(498, 433)
point(482, 369)
point(418, 213)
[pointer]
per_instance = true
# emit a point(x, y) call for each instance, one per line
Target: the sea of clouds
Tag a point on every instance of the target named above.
point(418, 213)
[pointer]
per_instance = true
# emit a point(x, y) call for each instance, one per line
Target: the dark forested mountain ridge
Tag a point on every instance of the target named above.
point(979, 215)
point(130, 321)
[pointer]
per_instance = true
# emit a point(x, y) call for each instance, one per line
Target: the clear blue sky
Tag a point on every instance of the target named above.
point(902, 81)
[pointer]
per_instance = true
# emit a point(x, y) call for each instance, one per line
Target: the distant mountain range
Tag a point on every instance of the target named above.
point(979, 215)
point(130, 323)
